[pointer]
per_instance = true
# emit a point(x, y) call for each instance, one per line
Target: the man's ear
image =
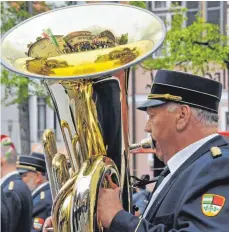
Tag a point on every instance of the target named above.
point(3, 160)
point(183, 117)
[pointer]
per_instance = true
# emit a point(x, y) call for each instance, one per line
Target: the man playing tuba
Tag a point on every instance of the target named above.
point(193, 192)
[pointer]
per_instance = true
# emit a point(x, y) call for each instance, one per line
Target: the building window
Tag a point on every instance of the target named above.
point(159, 53)
point(213, 16)
point(191, 15)
point(176, 3)
point(160, 4)
point(192, 4)
point(213, 4)
point(41, 110)
point(213, 12)
point(193, 8)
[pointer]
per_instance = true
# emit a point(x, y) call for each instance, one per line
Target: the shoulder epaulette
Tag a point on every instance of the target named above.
point(42, 195)
point(11, 185)
point(216, 152)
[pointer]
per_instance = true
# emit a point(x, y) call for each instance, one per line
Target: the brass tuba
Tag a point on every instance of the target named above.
point(79, 53)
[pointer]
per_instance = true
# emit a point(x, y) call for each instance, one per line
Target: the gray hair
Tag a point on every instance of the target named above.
point(206, 118)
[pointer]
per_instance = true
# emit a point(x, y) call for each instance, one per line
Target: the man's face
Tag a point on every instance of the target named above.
point(161, 125)
point(30, 178)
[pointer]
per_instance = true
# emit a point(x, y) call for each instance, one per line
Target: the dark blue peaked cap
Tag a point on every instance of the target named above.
point(33, 162)
point(38, 155)
point(184, 88)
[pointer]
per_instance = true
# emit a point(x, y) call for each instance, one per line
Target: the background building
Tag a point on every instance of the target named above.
point(216, 12)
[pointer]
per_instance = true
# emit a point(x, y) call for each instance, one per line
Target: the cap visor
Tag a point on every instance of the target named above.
point(150, 103)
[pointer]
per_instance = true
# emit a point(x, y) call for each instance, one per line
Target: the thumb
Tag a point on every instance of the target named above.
point(118, 190)
point(111, 183)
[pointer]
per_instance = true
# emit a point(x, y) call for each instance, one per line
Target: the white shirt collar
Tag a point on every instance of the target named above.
point(180, 157)
point(39, 187)
point(9, 175)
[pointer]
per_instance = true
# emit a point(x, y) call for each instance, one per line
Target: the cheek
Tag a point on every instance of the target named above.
point(26, 179)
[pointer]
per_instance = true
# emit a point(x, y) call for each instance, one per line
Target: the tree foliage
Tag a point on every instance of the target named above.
point(16, 86)
point(140, 4)
point(195, 46)
point(124, 39)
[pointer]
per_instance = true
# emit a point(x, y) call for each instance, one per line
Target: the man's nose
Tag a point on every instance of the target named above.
point(147, 128)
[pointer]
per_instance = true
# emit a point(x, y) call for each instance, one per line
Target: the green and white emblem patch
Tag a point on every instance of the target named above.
point(212, 204)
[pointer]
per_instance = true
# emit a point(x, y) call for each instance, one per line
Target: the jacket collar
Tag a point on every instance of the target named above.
point(217, 141)
point(9, 177)
point(40, 188)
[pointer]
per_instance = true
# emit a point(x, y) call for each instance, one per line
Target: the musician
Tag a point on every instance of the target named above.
point(16, 198)
point(192, 193)
point(34, 175)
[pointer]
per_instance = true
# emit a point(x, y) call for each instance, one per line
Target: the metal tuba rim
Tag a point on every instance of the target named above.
point(87, 76)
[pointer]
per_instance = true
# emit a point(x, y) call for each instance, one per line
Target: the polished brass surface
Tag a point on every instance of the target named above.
point(85, 117)
point(145, 143)
point(50, 149)
point(60, 169)
point(74, 160)
point(85, 68)
point(104, 42)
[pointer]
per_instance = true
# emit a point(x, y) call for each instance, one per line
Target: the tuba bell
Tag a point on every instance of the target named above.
point(83, 55)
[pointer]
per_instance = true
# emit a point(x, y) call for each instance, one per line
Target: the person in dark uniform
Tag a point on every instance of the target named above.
point(16, 201)
point(35, 176)
point(192, 192)
point(140, 199)
point(5, 213)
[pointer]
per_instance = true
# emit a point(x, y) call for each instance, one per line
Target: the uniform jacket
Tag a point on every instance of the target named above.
point(5, 213)
point(17, 203)
point(195, 199)
point(42, 205)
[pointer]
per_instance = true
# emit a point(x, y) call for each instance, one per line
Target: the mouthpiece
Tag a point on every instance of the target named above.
point(145, 143)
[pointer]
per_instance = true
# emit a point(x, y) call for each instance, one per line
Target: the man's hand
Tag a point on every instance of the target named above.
point(47, 224)
point(108, 205)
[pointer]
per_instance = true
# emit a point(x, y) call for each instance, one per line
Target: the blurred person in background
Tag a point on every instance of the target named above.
point(33, 169)
point(16, 198)
point(140, 199)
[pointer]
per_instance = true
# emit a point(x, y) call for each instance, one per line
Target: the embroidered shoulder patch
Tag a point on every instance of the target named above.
point(38, 223)
point(212, 204)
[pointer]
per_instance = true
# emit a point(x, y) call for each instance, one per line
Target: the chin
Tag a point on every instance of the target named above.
point(159, 156)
